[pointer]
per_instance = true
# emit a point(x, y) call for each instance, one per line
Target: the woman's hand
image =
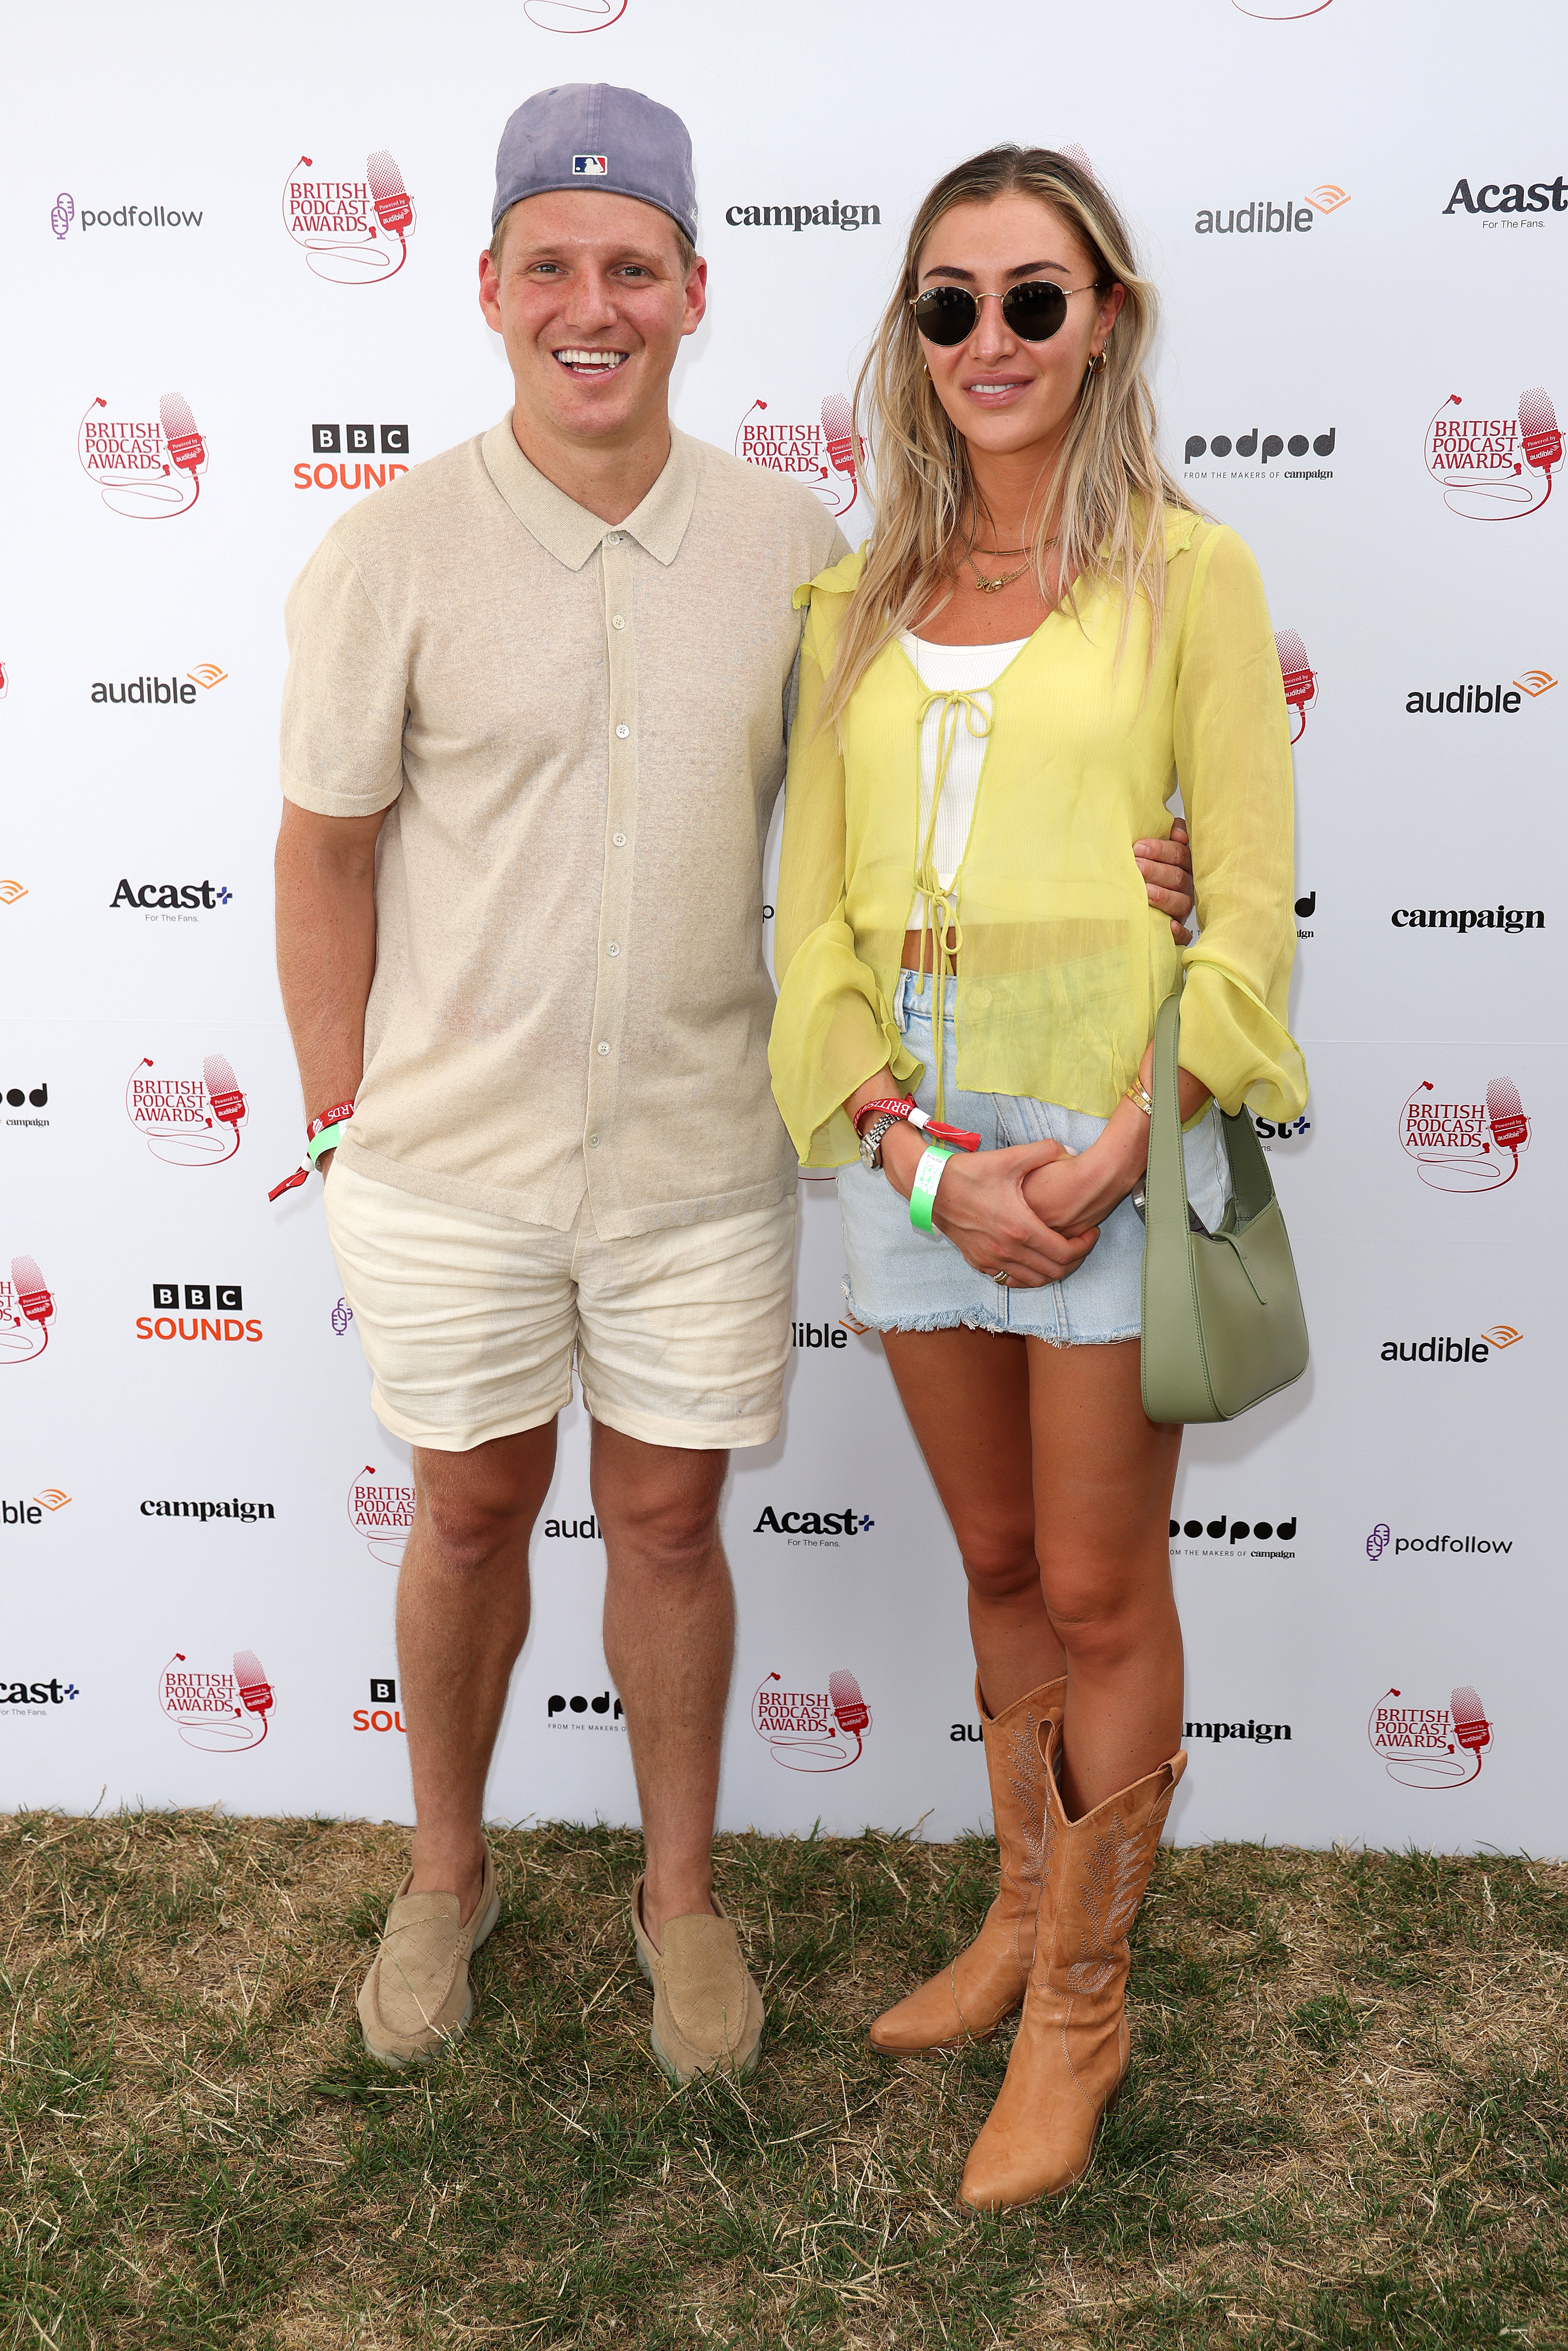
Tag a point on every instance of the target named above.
point(982, 1208)
point(1166, 868)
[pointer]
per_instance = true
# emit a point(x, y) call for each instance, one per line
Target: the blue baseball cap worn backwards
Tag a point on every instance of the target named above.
point(589, 134)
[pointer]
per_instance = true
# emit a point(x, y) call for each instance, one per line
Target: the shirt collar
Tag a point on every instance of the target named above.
point(569, 531)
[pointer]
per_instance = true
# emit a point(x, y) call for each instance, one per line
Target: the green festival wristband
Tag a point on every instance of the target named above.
point(328, 1140)
point(927, 1175)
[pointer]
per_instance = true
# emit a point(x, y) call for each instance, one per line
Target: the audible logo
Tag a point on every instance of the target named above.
point(1264, 217)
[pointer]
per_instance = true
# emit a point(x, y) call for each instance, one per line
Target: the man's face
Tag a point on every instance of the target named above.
point(591, 302)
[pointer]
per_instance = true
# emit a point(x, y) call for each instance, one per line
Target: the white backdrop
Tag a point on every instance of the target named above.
point(1356, 1561)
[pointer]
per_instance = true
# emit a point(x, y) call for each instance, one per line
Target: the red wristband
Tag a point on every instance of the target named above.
point(959, 1137)
point(339, 1111)
point(900, 1107)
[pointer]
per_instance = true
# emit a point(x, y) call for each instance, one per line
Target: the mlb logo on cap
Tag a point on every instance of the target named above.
point(589, 167)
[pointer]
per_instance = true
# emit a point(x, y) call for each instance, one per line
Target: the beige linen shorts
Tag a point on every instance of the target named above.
point(469, 1321)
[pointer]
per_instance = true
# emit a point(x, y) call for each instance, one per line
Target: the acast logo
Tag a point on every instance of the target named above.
point(215, 1311)
point(1515, 197)
point(1220, 446)
point(332, 441)
point(19, 1698)
point(1265, 217)
point(178, 901)
point(796, 1523)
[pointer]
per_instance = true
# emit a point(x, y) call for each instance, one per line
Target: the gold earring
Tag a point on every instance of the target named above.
point(1097, 364)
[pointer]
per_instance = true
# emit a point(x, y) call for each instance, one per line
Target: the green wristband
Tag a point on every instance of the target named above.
point(328, 1140)
point(927, 1175)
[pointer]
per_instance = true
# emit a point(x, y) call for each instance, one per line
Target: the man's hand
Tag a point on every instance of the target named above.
point(1166, 867)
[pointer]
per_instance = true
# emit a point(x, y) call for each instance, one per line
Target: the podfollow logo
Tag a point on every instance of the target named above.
point(380, 1510)
point(1494, 468)
point(188, 1121)
point(147, 468)
point(1382, 1536)
point(822, 456)
point(812, 1730)
point(26, 1310)
point(1431, 1746)
point(352, 231)
point(1464, 1146)
point(220, 1711)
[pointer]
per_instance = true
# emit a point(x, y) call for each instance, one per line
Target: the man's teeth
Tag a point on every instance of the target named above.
point(602, 362)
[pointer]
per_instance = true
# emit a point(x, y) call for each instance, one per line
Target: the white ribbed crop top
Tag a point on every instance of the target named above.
point(953, 669)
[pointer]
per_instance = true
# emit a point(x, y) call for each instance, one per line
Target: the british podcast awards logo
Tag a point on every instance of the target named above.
point(810, 1730)
point(26, 1310)
point(822, 456)
point(1494, 468)
point(1464, 1146)
point(188, 1121)
point(1431, 1746)
point(147, 468)
point(352, 231)
point(220, 1711)
point(381, 1509)
point(573, 16)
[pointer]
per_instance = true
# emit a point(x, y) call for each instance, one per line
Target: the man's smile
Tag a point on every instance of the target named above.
point(579, 360)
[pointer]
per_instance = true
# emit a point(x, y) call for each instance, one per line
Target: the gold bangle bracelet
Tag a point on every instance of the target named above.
point(1138, 1092)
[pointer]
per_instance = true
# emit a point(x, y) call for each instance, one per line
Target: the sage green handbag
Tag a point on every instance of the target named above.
point(1223, 1326)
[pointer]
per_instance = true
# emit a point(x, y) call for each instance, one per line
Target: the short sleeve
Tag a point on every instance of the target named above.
point(345, 698)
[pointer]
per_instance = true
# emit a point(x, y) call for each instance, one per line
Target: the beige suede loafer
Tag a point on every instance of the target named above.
point(417, 1996)
point(707, 2012)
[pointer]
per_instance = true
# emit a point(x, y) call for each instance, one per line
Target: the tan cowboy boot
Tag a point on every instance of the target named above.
point(986, 1983)
point(1072, 2050)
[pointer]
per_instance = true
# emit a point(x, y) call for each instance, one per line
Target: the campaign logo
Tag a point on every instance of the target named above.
point(62, 212)
point(382, 1714)
point(18, 1097)
point(1216, 1538)
point(1220, 447)
point(1265, 216)
point(810, 1730)
point(1431, 1746)
point(1460, 919)
point(822, 456)
point(381, 1509)
point(188, 1121)
point(1263, 1734)
point(1464, 1146)
point(247, 1514)
point(213, 1310)
point(331, 445)
point(838, 214)
point(26, 1310)
point(147, 468)
point(1300, 677)
point(1494, 468)
point(573, 16)
point(1516, 201)
point(18, 1699)
point(220, 1711)
point(346, 228)
point(166, 902)
point(605, 1707)
point(1467, 1546)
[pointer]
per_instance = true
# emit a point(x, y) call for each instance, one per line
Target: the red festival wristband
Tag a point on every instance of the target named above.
point(339, 1113)
point(332, 1117)
point(958, 1136)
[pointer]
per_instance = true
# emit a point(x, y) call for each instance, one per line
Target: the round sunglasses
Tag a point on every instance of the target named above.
point(1032, 311)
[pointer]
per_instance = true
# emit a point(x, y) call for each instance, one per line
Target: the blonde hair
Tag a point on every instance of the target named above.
point(1109, 487)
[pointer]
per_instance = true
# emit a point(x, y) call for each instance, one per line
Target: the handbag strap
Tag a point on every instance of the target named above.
point(1165, 1184)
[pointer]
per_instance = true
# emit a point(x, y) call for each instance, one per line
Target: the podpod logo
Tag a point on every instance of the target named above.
point(21, 1098)
point(822, 456)
point(808, 1729)
point(1379, 1539)
point(147, 468)
point(573, 16)
point(1431, 1746)
point(220, 1711)
point(188, 1121)
point(328, 468)
point(1464, 1146)
point(1301, 679)
point(352, 231)
point(1221, 447)
point(1213, 1538)
point(1494, 468)
point(26, 1310)
point(380, 1508)
point(563, 1713)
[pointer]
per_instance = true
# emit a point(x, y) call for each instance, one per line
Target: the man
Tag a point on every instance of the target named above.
point(533, 732)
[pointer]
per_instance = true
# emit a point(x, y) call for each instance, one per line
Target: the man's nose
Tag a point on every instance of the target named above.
point(591, 299)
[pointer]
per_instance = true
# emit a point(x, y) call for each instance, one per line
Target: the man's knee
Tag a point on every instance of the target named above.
point(474, 1507)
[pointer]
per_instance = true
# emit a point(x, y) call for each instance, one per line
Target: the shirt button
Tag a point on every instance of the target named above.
point(604, 1048)
point(619, 838)
point(618, 622)
point(612, 539)
point(613, 948)
point(594, 1143)
point(623, 732)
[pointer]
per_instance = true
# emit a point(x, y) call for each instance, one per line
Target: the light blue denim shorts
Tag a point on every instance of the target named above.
point(900, 1279)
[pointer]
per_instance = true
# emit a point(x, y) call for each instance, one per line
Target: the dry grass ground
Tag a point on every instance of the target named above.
point(1346, 2124)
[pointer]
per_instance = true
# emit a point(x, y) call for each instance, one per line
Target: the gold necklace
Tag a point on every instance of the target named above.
point(1005, 579)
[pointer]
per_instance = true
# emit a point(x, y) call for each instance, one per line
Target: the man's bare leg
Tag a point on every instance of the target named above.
point(462, 1618)
point(669, 1641)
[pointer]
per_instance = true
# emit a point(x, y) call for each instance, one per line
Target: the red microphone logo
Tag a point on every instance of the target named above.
point(186, 444)
point(1505, 1116)
point(222, 1087)
point(850, 1710)
point(812, 1730)
point(393, 209)
point(255, 1689)
point(36, 1305)
point(1543, 441)
point(1301, 678)
point(838, 432)
point(1471, 1728)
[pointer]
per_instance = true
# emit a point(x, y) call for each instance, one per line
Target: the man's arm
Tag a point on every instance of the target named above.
point(326, 874)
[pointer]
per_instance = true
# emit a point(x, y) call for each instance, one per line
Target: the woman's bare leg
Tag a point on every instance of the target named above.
point(1104, 1476)
point(967, 1395)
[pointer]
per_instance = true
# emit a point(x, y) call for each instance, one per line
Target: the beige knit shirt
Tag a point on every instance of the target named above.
point(578, 730)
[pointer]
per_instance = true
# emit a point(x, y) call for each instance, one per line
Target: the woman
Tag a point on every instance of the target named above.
point(998, 697)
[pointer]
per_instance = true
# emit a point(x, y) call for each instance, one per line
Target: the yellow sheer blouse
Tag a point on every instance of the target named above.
point(1061, 962)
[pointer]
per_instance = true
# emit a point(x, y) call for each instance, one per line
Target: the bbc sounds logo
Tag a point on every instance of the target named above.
point(212, 1310)
point(1494, 468)
point(374, 459)
point(147, 468)
point(1464, 1146)
point(380, 1510)
point(352, 231)
point(573, 16)
point(188, 1121)
point(821, 454)
point(26, 1310)
point(812, 1730)
point(1431, 1746)
point(222, 1710)
point(382, 1713)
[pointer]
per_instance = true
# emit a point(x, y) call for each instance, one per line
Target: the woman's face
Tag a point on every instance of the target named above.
point(1004, 394)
